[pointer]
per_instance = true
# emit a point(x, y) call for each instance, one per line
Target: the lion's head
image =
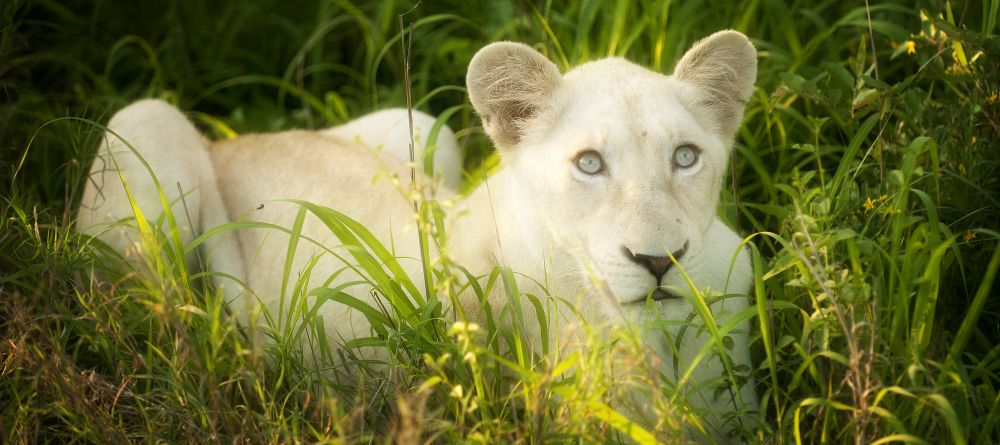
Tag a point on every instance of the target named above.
point(621, 164)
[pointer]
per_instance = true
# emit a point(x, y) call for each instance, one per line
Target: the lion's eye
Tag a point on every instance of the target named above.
point(685, 156)
point(590, 162)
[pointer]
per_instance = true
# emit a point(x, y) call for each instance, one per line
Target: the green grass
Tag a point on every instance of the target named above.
point(867, 177)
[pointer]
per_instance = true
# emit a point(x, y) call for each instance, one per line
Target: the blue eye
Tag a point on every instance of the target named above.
point(590, 162)
point(685, 156)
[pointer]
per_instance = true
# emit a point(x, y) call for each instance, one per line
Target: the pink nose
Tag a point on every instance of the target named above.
point(656, 265)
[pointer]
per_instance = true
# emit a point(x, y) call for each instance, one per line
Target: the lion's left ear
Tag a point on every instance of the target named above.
point(724, 67)
point(509, 83)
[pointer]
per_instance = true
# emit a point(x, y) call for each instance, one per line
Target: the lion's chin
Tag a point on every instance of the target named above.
point(659, 294)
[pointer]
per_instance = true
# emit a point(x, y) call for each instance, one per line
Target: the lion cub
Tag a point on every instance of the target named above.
point(611, 178)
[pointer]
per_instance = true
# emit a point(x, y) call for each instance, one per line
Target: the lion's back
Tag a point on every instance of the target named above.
point(257, 173)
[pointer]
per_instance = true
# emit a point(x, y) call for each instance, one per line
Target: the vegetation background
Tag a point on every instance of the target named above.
point(868, 170)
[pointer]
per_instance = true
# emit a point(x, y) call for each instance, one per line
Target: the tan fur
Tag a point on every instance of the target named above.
point(540, 215)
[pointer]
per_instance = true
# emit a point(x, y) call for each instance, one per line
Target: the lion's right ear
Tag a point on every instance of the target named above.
point(724, 66)
point(509, 83)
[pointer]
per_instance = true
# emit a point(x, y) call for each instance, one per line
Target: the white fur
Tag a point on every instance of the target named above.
point(634, 118)
point(539, 215)
point(387, 131)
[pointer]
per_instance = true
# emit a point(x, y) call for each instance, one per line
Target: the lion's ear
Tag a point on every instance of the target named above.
point(509, 83)
point(724, 67)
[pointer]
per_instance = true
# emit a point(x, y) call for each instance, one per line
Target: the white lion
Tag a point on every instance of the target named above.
point(611, 179)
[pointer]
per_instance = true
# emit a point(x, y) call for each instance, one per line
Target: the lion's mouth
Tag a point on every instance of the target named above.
point(659, 294)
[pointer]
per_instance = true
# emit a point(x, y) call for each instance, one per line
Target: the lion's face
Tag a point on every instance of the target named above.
point(623, 175)
point(623, 166)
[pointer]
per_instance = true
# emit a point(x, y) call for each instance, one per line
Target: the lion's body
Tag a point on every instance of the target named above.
point(309, 166)
point(541, 215)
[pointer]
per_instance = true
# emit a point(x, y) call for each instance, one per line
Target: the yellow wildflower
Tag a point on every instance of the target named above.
point(911, 47)
point(457, 392)
point(461, 327)
point(869, 204)
point(969, 236)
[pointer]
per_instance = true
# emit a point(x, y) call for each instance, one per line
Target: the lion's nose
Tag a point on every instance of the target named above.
point(656, 265)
